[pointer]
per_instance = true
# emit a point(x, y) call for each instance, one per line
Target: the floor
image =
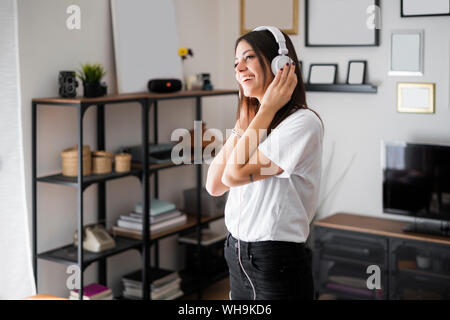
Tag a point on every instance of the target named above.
point(218, 291)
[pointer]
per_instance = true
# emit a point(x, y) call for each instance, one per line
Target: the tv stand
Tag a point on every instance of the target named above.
point(412, 265)
point(439, 228)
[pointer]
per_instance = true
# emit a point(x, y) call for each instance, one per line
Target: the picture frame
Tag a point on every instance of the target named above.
point(407, 53)
point(278, 14)
point(346, 23)
point(322, 73)
point(420, 8)
point(356, 72)
point(415, 97)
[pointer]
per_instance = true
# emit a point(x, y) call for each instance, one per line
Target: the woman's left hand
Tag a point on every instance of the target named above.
point(279, 92)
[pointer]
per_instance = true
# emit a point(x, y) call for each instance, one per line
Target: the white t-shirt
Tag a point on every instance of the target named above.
point(281, 207)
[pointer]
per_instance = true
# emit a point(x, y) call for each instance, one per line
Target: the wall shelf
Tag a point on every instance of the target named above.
point(355, 88)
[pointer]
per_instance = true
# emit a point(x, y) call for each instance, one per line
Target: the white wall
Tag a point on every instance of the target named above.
point(354, 123)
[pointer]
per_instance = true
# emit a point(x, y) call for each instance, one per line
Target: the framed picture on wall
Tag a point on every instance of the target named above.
point(282, 14)
point(421, 8)
point(356, 72)
point(337, 23)
point(322, 73)
point(415, 97)
point(407, 53)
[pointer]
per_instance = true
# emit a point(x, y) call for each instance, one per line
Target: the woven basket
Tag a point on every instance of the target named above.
point(102, 162)
point(70, 161)
point(122, 162)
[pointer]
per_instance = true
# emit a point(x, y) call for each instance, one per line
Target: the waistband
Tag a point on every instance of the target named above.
point(264, 244)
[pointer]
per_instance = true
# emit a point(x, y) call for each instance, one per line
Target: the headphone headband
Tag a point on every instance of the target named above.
point(278, 35)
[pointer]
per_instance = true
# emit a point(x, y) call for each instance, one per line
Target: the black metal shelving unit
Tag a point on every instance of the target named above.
point(71, 254)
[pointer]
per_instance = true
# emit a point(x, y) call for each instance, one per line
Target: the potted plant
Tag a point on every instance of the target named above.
point(91, 74)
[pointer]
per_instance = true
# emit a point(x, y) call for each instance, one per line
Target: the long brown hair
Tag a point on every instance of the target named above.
point(266, 48)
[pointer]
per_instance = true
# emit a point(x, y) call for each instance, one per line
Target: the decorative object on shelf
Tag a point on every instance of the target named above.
point(322, 73)
point(206, 81)
point(70, 161)
point(101, 162)
point(349, 23)
point(185, 52)
point(407, 53)
point(356, 73)
point(420, 8)
point(91, 74)
point(94, 291)
point(122, 162)
point(281, 13)
point(95, 238)
point(415, 97)
point(423, 261)
point(164, 85)
point(204, 142)
point(67, 84)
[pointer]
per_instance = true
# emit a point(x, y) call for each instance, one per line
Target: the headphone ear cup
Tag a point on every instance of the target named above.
point(279, 62)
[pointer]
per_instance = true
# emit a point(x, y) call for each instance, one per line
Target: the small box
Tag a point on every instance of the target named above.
point(211, 206)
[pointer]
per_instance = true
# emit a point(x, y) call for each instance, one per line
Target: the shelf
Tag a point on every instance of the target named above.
point(356, 88)
point(134, 97)
point(350, 260)
point(69, 255)
point(190, 223)
point(424, 273)
point(87, 180)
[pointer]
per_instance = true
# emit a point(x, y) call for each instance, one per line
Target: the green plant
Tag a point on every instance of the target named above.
point(91, 72)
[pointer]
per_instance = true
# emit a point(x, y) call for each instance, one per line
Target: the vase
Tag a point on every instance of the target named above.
point(94, 89)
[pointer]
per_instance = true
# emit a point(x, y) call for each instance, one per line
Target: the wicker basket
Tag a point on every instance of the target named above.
point(102, 162)
point(70, 161)
point(122, 162)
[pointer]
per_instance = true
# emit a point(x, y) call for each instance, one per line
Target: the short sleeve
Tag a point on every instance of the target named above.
point(295, 145)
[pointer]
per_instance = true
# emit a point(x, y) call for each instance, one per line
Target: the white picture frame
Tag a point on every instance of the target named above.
point(407, 53)
point(337, 23)
point(415, 97)
point(421, 8)
point(322, 73)
point(142, 52)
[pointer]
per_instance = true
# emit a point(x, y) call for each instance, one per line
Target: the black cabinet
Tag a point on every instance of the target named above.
point(341, 262)
point(347, 249)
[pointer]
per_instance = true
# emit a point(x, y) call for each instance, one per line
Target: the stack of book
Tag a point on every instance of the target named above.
point(94, 291)
point(164, 284)
point(163, 216)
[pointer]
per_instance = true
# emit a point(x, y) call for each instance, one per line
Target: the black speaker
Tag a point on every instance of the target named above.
point(67, 84)
point(164, 85)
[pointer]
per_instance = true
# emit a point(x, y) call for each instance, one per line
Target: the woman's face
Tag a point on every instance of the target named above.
point(249, 72)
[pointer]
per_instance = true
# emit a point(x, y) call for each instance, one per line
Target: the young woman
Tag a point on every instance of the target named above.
point(273, 182)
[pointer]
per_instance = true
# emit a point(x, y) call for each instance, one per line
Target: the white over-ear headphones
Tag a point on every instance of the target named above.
point(279, 61)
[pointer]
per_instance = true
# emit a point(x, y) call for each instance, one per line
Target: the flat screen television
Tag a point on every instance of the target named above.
point(416, 180)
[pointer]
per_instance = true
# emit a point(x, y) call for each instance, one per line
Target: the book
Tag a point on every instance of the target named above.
point(208, 237)
point(157, 293)
point(94, 291)
point(109, 297)
point(157, 207)
point(138, 217)
point(154, 227)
